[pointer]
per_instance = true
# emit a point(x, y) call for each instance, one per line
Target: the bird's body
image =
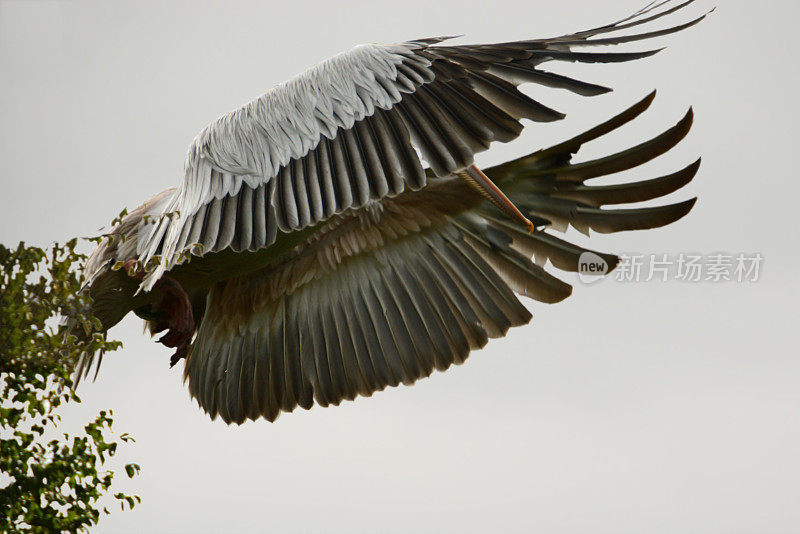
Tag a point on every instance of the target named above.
point(309, 256)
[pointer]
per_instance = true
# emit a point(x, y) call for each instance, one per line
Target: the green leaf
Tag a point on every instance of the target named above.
point(132, 470)
point(36, 365)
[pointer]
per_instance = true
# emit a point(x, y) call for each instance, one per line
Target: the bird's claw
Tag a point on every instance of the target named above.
point(173, 312)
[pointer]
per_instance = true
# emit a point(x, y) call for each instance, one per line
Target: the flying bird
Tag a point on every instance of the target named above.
point(334, 236)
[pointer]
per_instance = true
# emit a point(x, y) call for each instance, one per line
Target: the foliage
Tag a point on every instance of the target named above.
point(49, 481)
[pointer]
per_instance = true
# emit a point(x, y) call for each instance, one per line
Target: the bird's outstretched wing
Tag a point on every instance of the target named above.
point(353, 128)
point(385, 295)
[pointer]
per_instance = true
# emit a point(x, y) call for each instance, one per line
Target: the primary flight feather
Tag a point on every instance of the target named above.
point(334, 236)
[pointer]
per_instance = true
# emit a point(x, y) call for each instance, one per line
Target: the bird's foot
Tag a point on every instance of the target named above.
point(175, 316)
point(173, 313)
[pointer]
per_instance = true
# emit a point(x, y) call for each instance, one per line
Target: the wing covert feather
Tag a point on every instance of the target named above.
point(347, 131)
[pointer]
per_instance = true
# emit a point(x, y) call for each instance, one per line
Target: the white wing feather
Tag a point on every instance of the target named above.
point(345, 132)
point(253, 142)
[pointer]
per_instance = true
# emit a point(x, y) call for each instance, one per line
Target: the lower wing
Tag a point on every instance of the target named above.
point(387, 293)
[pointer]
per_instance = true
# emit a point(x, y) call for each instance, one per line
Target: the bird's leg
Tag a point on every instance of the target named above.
point(173, 313)
point(483, 185)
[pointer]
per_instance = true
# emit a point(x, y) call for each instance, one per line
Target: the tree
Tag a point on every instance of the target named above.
point(49, 481)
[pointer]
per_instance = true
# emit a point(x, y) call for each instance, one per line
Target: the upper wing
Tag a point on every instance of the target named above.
point(352, 129)
point(386, 295)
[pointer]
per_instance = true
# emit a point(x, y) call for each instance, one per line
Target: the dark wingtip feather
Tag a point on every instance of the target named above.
point(627, 193)
point(687, 174)
point(633, 38)
point(686, 206)
point(647, 100)
point(676, 212)
point(611, 260)
point(627, 159)
point(564, 295)
point(534, 161)
point(597, 90)
point(610, 221)
point(686, 122)
point(651, 53)
point(592, 57)
point(427, 41)
point(610, 125)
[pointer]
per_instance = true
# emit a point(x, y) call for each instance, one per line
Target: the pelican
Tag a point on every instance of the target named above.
point(334, 236)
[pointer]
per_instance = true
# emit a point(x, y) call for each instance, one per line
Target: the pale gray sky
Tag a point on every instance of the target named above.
point(631, 407)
